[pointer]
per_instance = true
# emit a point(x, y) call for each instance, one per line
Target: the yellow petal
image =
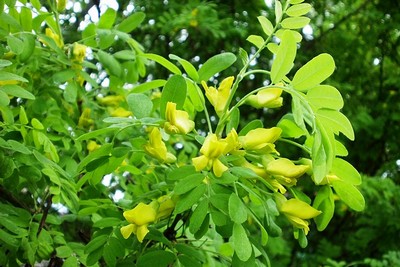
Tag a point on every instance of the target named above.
point(286, 168)
point(127, 230)
point(141, 232)
point(142, 214)
point(298, 208)
point(267, 98)
point(219, 168)
point(121, 112)
point(232, 141)
point(212, 147)
point(79, 52)
point(298, 223)
point(200, 163)
point(184, 124)
point(258, 138)
point(156, 147)
point(177, 120)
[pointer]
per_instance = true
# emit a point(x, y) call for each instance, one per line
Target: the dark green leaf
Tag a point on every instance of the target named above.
point(188, 183)
point(198, 216)
point(160, 258)
point(189, 199)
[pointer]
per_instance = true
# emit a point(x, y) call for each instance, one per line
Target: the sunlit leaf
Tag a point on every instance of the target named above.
point(285, 56)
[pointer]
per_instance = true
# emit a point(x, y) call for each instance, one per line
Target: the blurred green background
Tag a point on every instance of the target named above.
point(363, 36)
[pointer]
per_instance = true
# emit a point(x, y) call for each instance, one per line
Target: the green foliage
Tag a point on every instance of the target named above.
point(76, 114)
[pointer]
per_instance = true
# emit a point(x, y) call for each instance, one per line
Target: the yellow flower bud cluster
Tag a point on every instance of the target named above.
point(156, 147)
point(143, 214)
point(270, 97)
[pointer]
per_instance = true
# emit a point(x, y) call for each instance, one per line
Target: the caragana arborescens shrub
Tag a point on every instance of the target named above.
point(78, 129)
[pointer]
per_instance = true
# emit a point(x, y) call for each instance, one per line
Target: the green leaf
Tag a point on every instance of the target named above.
point(148, 86)
point(163, 62)
point(237, 210)
point(189, 199)
point(345, 171)
point(186, 260)
point(107, 20)
point(266, 25)
point(95, 133)
point(130, 23)
point(160, 258)
point(295, 2)
point(4, 100)
point(188, 183)
point(296, 35)
point(285, 56)
point(243, 172)
point(319, 158)
point(349, 194)
point(181, 172)
point(191, 251)
point(295, 22)
point(17, 91)
point(26, 18)
point(195, 95)
point(298, 10)
point(187, 66)
point(64, 251)
point(234, 120)
point(336, 121)
point(174, 91)
point(278, 11)
point(314, 72)
point(8, 76)
point(8, 239)
point(109, 62)
point(215, 65)
point(5, 63)
point(324, 202)
point(95, 243)
point(17, 146)
point(289, 127)
point(198, 216)
point(325, 96)
point(63, 76)
point(140, 104)
point(241, 242)
point(52, 175)
point(256, 40)
point(16, 45)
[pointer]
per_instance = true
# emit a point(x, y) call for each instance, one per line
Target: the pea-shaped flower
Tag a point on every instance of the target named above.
point(261, 139)
point(211, 150)
point(219, 97)
point(285, 171)
point(177, 120)
point(156, 147)
point(296, 211)
point(266, 98)
point(139, 218)
point(79, 52)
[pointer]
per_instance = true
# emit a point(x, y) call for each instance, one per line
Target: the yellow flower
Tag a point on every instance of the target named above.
point(121, 112)
point(177, 120)
point(50, 33)
point(84, 120)
point(157, 149)
point(233, 145)
point(165, 206)
point(261, 139)
point(285, 171)
point(139, 218)
point(296, 211)
point(79, 52)
point(266, 98)
point(211, 150)
point(92, 146)
point(218, 98)
point(111, 100)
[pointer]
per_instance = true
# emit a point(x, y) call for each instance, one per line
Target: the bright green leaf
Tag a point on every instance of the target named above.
point(324, 202)
point(188, 183)
point(285, 56)
point(148, 86)
point(298, 10)
point(189, 199)
point(107, 20)
point(349, 194)
point(187, 66)
point(163, 62)
point(314, 72)
point(17, 91)
point(215, 64)
point(345, 171)
point(130, 23)
point(256, 40)
point(325, 96)
point(336, 121)
point(295, 22)
point(266, 25)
